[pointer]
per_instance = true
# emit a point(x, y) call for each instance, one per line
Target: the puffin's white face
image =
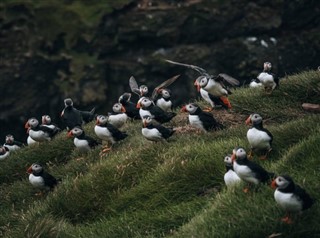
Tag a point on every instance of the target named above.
point(203, 81)
point(145, 102)
point(9, 139)
point(240, 153)
point(191, 108)
point(101, 120)
point(117, 107)
point(77, 131)
point(46, 119)
point(36, 168)
point(143, 90)
point(165, 93)
point(282, 182)
point(33, 122)
point(255, 118)
point(267, 66)
point(228, 160)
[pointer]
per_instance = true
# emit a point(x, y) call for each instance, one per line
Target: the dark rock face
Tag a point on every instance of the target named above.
point(39, 67)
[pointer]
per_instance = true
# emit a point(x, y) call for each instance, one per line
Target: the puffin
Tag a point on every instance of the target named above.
point(4, 152)
point(201, 119)
point(41, 179)
point(255, 83)
point(131, 110)
point(214, 102)
point(268, 79)
point(107, 132)
point(148, 108)
point(38, 132)
point(230, 177)
point(46, 121)
point(212, 84)
point(247, 170)
point(164, 100)
point(290, 196)
point(83, 142)
point(259, 138)
point(118, 117)
point(155, 132)
point(73, 117)
point(12, 144)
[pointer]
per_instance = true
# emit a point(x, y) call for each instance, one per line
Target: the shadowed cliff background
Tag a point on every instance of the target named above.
point(87, 50)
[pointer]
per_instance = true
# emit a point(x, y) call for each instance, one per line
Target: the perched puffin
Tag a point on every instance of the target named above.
point(31, 141)
point(155, 132)
point(83, 142)
point(255, 83)
point(147, 108)
point(259, 138)
point(201, 119)
point(131, 110)
point(73, 117)
point(164, 101)
point(107, 132)
point(230, 177)
point(267, 78)
point(41, 179)
point(12, 144)
point(119, 117)
point(213, 84)
point(38, 132)
point(247, 170)
point(290, 196)
point(209, 98)
point(46, 121)
point(4, 152)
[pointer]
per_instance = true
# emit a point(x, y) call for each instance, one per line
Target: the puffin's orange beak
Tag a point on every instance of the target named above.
point(248, 121)
point(29, 170)
point(183, 109)
point(97, 122)
point(27, 125)
point(196, 83)
point(273, 184)
point(138, 105)
point(233, 157)
point(69, 134)
point(123, 109)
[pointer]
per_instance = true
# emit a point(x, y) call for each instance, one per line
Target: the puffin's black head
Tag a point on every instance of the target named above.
point(203, 81)
point(165, 93)
point(32, 122)
point(9, 139)
point(191, 108)
point(68, 102)
point(282, 182)
point(46, 119)
point(143, 90)
point(35, 169)
point(101, 120)
point(267, 66)
point(118, 108)
point(228, 160)
point(144, 102)
point(254, 119)
point(76, 131)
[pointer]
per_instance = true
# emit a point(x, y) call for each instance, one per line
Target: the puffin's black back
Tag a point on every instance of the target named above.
point(72, 117)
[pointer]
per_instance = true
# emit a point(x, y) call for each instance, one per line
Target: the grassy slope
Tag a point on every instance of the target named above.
point(170, 189)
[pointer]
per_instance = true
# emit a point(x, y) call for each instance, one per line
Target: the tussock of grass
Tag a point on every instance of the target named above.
point(146, 189)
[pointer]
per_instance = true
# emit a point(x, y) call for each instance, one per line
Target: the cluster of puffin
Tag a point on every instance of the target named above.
point(157, 109)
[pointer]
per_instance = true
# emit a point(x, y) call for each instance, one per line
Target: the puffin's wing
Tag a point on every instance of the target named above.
point(50, 181)
point(92, 142)
point(197, 68)
point(134, 85)
point(304, 196)
point(227, 78)
point(163, 85)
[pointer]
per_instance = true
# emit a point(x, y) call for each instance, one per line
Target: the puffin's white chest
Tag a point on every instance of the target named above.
point(39, 135)
point(82, 145)
point(288, 201)
point(36, 181)
point(118, 120)
point(266, 79)
point(164, 105)
point(12, 147)
point(103, 133)
point(144, 113)
point(231, 178)
point(195, 121)
point(245, 173)
point(258, 139)
point(31, 141)
point(215, 89)
point(151, 134)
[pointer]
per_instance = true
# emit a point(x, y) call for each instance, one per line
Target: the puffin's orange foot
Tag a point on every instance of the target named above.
point(208, 109)
point(39, 194)
point(287, 220)
point(226, 102)
point(264, 157)
point(246, 190)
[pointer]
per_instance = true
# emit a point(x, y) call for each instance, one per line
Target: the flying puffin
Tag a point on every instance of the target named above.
point(41, 179)
point(259, 138)
point(83, 142)
point(230, 177)
point(131, 110)
point(38, 132)
point(73, 117)
point(247, 170)
point(46, 121)
point(212, 84)
point(155, 132)
point(12, 144)
point(209, 98)
point(201, 119)
point(164, 101)
point(269, 80)
point(290, 196)
point(4, 152)
point(107, 132)
point(142, 91)
point(118, 117)
point(147, 108)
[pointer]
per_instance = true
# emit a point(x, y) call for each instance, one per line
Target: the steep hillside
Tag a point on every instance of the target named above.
point(146, 189)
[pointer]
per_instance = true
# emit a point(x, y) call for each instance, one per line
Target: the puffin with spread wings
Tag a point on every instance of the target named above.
point(212, 84)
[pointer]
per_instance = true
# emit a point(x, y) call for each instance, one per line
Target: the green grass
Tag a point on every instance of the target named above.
point(145, 189)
